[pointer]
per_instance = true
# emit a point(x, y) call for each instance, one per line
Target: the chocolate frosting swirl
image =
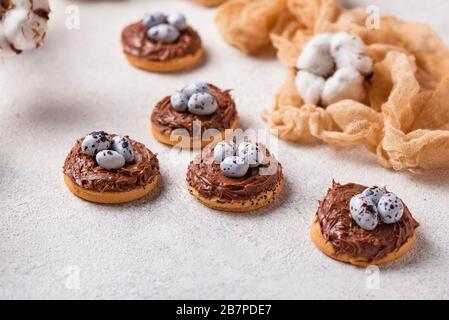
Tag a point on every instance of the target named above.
point(207, 179)
point(136, 43)
point(85, 172)
point(166, 119)
point(346, 237)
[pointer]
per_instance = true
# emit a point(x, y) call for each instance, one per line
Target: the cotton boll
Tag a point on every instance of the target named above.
point(346, 83)
point(5, 46)
point(310, 87)
point(320, 43)
point(24, 25)
point(316, 56)
point(364, 64)
point(360, 62)
point(13, 21)
point(347, 42)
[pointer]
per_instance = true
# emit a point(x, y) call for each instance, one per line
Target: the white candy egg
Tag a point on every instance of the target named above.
point(178, 21)
point(390, 208)
point(347, 42)
point(309, 86)
point(179, 101)
point(364, 212)
point(316, 57)
point(163, 33)
point(234, 167)
point(110, 160)
point(122, 145)
point(154, 18)
point(346, 83)
point(375, 193)
point(251, 153)
point(196, 87)
point(202, 104)
point(95, 142)
point(223, 150)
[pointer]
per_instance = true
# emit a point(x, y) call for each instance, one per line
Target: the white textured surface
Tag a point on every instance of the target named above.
point(170, 246)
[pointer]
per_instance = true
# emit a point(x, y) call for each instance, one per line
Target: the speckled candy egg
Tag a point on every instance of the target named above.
point(179, 101)
point(390, 208)
point(154, 18)
point(234, 167)
point(223, 150)
point(196, 87)
point(95, 142)
point(202, 104)
point(163, 33)
point(110, 160)
point(364, 212)
point(122, 145)
point(251, 153)
point(375, 193)
point(178, 21)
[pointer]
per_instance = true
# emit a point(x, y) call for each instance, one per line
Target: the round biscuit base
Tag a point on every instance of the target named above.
point(172, 65)
point(110, 197)
point(327, 248)
point(210, 3)
point(261, 200)
point(190, 143)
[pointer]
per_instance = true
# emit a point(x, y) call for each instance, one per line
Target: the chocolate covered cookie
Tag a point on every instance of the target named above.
point(108, 168)
point(363, 225)
point(162, 43)
point(235, 177)
point(194, 116)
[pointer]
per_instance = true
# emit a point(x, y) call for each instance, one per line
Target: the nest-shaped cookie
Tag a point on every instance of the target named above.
point(405, 117)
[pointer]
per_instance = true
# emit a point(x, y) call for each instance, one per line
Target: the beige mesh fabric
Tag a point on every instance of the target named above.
point(405, 118)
